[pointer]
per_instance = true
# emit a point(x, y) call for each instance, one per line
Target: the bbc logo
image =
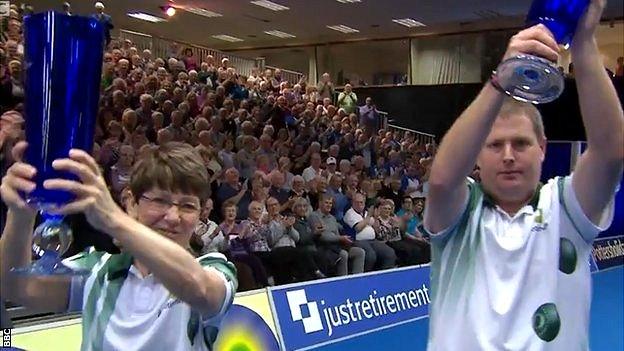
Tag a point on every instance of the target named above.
point(6, 337)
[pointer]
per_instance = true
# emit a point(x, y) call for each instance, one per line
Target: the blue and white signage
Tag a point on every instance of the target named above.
point(318, 313)
point(608, 252)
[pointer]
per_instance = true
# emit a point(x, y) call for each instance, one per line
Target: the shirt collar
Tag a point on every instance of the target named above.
point(488, 200)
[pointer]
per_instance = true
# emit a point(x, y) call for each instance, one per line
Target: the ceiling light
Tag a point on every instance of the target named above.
point(270, 5)
point(342, 28)
point(202, 12)
point(146, 17)
point(349, 1)
point(226, 37)
point(279, 34)
point(170, 11)
point(408, 22)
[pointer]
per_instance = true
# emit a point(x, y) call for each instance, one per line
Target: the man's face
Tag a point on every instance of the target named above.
point(315, 160)
point(408, 205)
point(231, 176)
point(358, 203)
point(336, 182)
point(273, 206)
point(146, 104)
point(326, 205)
point(116, 55)
point(177, 118)
point(511, 159)
point(175, 222)
point(369, 101)
point(300, 208)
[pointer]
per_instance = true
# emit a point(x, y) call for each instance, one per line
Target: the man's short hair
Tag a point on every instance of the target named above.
point(173, 166)
point(512, 107)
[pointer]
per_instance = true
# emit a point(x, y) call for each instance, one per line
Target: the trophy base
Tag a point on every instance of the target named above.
point(48, 265)
point(531, 79)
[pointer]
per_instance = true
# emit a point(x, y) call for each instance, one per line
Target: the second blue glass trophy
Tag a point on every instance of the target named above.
point(535, 79)
point(63, 61)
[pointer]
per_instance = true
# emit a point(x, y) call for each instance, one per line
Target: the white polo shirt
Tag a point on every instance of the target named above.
point(514, 283)
point(122, 310)
point(351, 218)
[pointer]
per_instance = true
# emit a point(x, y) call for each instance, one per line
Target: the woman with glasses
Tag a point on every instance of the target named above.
point(155, 289)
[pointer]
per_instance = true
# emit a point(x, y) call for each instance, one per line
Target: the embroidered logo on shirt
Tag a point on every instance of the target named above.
point(540, 224)
point(172, 302)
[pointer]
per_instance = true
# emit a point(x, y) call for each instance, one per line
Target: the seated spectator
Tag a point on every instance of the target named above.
point(290, 263)
point(120, 172)
point(314, 169)
point(277, 187)
point(233, 191)
point(237, 248)
point(389, 229)
point(212, 238)
point(335, 248)
point(378, 254)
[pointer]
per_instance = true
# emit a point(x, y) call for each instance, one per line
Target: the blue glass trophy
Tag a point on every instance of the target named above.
point(63, 65)
point(535, 79)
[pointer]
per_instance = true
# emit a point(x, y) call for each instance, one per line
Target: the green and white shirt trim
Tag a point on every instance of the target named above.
point(122, 310)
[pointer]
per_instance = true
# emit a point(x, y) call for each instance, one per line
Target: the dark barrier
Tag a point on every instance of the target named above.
point(433, 108)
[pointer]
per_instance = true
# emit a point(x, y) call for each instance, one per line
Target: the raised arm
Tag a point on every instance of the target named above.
point(462, 143)
point(45, 294)
point(173, 265)
point(599, 169)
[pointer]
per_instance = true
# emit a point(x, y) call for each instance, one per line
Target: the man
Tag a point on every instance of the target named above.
point(326, 88)
point(369, 117)
point(187, 296)
point(105, 20)
point(509, 257)
point(336, 248)
point(231, 190)
point(347, 100)
point(144, 113)
point(378, 254)
point(314, 169)
point(277, 190)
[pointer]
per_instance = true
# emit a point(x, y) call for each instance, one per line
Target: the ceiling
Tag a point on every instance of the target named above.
point(307, 19)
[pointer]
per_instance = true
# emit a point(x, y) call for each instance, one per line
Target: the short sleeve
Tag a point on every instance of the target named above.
point(470, 204)
point(227, 272)
point(583, 225)
point(351, 218)
point(228, 299)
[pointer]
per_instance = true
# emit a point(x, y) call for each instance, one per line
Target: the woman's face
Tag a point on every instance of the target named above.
point(229, 213)
point(255, 211)
point(419, 206)
point(385, 210)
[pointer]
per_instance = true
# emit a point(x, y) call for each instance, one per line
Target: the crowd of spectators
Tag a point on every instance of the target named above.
point(304, 183)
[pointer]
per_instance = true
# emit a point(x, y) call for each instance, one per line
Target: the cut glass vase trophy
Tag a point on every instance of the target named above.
point(534, 79)
point(63, 65)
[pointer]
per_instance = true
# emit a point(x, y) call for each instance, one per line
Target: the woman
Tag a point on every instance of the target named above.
point(187, 297)
point(390, 230)
point(256, 232)
point(121, 171)
point(412, 213)
point(190, 62)
point(236, 248)
point(290, 264)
